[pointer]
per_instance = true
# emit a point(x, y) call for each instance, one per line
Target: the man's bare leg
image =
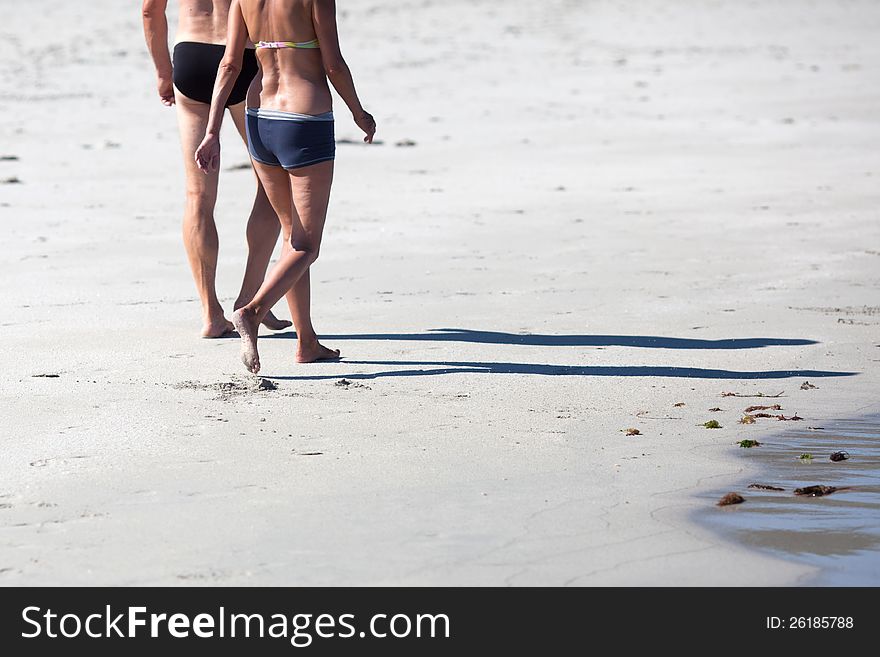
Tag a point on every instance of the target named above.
point(199, 230)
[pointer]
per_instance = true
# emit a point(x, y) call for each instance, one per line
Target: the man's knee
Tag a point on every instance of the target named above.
point(199, 202)
point(199, 206)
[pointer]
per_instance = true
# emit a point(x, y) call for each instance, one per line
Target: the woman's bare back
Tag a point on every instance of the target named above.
point(294, 79)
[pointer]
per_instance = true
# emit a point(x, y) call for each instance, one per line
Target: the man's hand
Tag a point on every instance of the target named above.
point(166, 90)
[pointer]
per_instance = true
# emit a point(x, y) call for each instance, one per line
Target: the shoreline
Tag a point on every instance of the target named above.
point(828, 534)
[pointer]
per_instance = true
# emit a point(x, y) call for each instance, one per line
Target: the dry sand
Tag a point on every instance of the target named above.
point(609, 208)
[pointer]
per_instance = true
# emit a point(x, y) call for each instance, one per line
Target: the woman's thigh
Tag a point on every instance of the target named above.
point(311, 196)
point(276, 183)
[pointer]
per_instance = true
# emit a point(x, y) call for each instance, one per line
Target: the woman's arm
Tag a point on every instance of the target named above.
point(156, 35)
point(208, 153)
point(324, 19)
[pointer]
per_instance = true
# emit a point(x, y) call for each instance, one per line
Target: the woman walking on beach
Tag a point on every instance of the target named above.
point(291, 139)
point(186, 81)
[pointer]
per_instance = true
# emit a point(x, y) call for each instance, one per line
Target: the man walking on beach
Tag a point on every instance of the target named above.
point(186, 81)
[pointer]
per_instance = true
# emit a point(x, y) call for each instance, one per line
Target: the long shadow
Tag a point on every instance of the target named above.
point(443, 367)
point(541, 340)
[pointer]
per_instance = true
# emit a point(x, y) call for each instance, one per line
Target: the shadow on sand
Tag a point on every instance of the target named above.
point(433, 368)
point(539, 340)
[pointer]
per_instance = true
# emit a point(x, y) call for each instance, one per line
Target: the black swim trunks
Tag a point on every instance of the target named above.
point(195, 70)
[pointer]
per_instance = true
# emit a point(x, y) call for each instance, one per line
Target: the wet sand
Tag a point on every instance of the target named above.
point(837, 533)
point(581, 214)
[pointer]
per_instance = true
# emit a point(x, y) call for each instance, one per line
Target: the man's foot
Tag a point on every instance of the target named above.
point(314, 351)
point(247, 326)
point(218, 327)
point(274, 324)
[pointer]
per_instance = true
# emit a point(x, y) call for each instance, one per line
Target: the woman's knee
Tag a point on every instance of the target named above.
point(306, 247)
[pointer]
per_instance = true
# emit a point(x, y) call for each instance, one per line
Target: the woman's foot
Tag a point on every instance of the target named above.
point(274, 324)
point(247, 326)
point(314, 351)
point(217, 327)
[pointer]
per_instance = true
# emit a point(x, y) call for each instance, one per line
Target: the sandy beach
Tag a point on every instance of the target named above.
point(578, 216)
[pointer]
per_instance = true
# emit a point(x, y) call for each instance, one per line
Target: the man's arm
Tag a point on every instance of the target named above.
point(156, 35)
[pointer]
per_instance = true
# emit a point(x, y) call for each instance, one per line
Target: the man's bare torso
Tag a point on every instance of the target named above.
point(202, 20)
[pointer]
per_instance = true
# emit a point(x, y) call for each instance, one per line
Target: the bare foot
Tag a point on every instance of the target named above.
point(247, 326)
point(274, 324)
point(314, 351)
point(218, 327)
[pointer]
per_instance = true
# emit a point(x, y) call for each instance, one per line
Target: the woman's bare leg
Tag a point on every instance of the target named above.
point(299, 301)
point(199, 230)
point(311, 194)
point(300, 199)
point(263, 228)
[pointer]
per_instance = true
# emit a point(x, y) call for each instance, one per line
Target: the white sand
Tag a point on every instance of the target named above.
point(720, 165)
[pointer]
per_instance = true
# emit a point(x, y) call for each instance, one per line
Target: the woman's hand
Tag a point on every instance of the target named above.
point(367, 123)
point(208, 154)
point(166, 90)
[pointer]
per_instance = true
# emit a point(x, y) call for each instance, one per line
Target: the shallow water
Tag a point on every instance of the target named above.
point(838, 533)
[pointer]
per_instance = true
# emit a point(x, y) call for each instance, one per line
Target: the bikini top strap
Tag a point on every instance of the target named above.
point(288, 44)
